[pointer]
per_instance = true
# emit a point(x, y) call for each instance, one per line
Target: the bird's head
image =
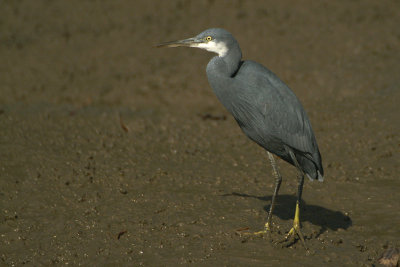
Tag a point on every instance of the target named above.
point(214, 40)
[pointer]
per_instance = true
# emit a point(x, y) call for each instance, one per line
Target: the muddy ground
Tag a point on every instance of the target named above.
point(117, 153)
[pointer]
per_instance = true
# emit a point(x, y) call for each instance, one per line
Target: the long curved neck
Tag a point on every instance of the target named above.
point(220, 71)
point(227, 65)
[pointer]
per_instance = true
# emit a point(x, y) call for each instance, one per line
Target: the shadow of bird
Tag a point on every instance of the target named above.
point(316, 215)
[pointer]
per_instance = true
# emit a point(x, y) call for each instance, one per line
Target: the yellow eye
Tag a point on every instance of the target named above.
point(208, 38)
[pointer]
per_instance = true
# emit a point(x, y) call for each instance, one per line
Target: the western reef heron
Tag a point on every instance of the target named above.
point(266, 110)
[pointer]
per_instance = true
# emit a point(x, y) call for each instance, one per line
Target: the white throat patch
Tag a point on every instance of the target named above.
point(213, 46)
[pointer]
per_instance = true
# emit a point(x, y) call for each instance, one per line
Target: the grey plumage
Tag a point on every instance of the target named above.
point(265, 108)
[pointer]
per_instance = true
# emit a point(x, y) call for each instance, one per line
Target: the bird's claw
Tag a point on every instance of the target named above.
point(265, 231)
point(292, 234)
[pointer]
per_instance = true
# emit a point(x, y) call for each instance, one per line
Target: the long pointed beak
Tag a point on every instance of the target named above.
point(185, 42)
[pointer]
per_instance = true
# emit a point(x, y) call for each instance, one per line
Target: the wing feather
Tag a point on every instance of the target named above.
point(269, 112)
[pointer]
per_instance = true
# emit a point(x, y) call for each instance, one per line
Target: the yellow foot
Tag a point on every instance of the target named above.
point(296, 228)
point(292, 234)
point(265, 231)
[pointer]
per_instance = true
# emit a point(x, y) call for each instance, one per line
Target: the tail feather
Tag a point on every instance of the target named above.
point(320, 178)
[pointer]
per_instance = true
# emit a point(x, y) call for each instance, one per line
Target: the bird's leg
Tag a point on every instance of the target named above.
point(296, 221)
point(278, 181)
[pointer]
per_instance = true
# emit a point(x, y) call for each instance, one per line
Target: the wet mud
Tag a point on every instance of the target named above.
point(114, 152)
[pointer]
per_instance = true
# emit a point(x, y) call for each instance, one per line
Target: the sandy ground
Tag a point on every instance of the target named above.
point(117, 153)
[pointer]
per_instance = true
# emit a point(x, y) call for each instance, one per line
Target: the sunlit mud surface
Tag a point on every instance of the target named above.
point(114, 152)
